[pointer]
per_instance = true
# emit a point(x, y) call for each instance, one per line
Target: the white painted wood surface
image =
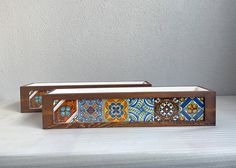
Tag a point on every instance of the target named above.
point(86, 83)
point(130, 89)
point(24, 143)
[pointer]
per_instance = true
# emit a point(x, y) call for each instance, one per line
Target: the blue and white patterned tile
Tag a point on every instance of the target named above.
point(192, 109)
point(141, 109)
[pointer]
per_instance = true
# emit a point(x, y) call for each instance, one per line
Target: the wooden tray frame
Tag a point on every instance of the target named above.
point(24, 91)
point(209, 116)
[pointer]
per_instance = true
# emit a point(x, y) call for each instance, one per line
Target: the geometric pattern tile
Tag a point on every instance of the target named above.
point(192, 109)
point(115, 110)
point(141, 109)
point(166, 109)
point(90, 110)
point(35, 99)
point(64, 111)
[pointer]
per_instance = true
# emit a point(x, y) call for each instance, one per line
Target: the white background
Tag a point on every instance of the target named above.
point(166, 42)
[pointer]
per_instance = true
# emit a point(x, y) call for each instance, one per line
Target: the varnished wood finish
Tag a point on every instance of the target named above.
point(24, 91)
point(209, 118)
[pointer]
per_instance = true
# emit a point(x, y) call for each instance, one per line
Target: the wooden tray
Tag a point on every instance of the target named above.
point(129, 107)
point(31, 94)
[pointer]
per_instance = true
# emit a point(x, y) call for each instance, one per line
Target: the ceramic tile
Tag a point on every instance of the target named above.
point(115, 110)
point(90, 110)
point(192, 109)
point(35, 99)
point(166, 109)
point(64, 110)
point(141, 109)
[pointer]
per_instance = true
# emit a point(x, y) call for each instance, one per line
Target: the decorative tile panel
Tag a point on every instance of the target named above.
point(35, 99)
point(115, 110)
point(141, 109)
point(90, 110)
point(64, 110)
point(192, 109)
point(131, 109)
point(166, 109)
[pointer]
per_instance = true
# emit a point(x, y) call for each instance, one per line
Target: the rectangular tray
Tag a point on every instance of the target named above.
point(129, 107)
point(31, 94)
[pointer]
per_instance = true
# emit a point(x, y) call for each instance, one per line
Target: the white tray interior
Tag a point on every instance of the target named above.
point(129, 89)
point(88, 83)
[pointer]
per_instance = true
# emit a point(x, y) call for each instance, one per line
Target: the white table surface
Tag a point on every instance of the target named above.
point(23, 143)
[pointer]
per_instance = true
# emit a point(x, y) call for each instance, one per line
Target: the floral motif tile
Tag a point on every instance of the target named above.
point(115, 110)
point(192, 109)
point(64, 110)
point(90, 110)
point(141, 109)
point(35, 99)
point(166, 109)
